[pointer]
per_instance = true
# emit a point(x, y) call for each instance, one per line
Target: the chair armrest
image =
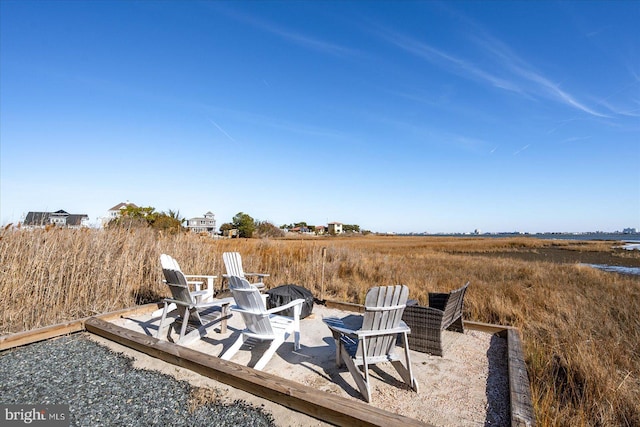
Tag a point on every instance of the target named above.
point(197, 293)
point(204, 276)
point(257, 274)
point(402, 327)
point(190, 282)
point(336, 325)
point(293, 303)
point(178, 302)
point(216, 303)
point(252, 312)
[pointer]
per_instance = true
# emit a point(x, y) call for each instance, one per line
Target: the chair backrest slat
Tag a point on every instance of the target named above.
point(388, 303)
point(249, 299)
point(175, 279)
point(453, 304)
point(233, 264)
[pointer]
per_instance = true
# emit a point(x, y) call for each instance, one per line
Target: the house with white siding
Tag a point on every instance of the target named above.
point(116, 211)
point(335, 227)
point(203, 224)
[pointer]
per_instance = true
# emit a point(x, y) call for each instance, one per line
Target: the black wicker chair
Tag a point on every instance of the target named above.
point(427, 323)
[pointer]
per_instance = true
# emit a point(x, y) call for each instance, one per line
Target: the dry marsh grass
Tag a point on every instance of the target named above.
point(580, 326)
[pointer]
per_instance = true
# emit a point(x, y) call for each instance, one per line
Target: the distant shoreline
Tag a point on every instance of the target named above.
point(615, 258)
point(624, 237)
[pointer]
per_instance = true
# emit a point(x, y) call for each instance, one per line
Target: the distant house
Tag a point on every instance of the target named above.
point(300, 230)
point(116, 211)
point(59, 218)
point(204, 224)
point(231, 233)
point(321, 229)
point(335, 227)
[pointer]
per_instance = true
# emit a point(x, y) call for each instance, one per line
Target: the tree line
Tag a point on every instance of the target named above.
point(172, 222)
point(347, 228)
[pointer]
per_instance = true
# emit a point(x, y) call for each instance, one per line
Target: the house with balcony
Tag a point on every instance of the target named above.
point(203, 224)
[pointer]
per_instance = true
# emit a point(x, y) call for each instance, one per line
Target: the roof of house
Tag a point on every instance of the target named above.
point(42, 218)
point(76, 219)
point(122, 205)
point(36, 218)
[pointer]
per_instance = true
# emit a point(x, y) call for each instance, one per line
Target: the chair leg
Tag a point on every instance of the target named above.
point(296, 326)
point(363, 386)
point(365, 365)
point(338, 352)
point(162, 319)
point(233, 349)
point(406, 371)
point(194, 313)
point(185, 320)
point(159, 311)
point(267, 355)
point(224, 314)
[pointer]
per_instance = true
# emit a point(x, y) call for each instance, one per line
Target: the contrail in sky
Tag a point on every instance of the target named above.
point(223, 131)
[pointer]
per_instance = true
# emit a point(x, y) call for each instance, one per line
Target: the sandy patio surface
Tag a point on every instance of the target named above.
point(466, 387)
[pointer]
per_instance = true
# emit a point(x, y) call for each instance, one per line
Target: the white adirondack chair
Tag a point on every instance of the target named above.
point(169, 262)
point(375, 340)
point(262, 324)
point(197, 284)
point(233, 265)
point(188, 304)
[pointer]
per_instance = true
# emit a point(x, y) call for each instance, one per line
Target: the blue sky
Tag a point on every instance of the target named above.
point(397, 116)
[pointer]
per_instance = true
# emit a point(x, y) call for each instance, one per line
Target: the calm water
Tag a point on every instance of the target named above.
point(635, 271)
point(632, 243)
point(630, 237)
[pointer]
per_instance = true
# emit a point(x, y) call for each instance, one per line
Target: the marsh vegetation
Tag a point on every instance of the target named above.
point(580, 326)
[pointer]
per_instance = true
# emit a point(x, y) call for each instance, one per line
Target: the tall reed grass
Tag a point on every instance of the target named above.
point(580, 326)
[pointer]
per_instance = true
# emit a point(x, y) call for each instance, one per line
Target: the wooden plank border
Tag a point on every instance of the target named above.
point(134, 311)
point(324, 406)
point(28, 337)
point(522, 414)
point(346, 306)
point(40, 334)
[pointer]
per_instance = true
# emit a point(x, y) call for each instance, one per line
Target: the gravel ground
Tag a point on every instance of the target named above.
point(102, 388)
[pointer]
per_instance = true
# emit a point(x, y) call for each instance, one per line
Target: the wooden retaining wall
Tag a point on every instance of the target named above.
point(41, 334)
point(324, 406)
